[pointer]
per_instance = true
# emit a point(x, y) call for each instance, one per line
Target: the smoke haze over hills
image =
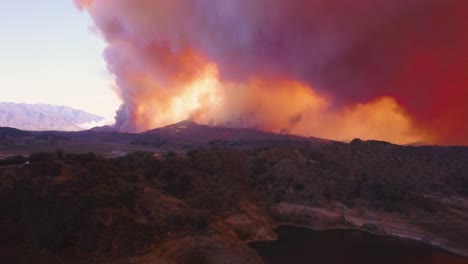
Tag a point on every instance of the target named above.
point(390, 70)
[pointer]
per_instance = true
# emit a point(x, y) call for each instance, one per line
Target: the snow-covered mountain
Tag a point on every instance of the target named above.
point(46, 117)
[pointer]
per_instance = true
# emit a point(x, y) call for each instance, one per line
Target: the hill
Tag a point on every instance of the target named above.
point(8, 132)
point(188, 134)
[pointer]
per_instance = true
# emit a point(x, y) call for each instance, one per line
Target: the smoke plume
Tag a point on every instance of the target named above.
point(390, 70)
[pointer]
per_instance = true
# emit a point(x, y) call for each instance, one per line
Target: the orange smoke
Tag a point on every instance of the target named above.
point(276, 105)
point(385, 70)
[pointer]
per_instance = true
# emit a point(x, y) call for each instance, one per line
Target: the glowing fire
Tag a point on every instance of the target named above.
point(164, 108)
point(272, 105)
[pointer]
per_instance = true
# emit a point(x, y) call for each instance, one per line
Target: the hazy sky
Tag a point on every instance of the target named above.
point(49, 54)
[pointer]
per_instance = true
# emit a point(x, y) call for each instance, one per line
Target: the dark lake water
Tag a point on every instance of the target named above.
point(298, 245)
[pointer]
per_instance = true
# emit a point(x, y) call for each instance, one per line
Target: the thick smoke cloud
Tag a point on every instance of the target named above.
point(394, 70)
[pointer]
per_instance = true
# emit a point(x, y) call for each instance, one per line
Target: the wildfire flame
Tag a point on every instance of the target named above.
point(273, 105)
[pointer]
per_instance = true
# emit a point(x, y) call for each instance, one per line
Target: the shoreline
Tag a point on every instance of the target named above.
point(323, 219)
point(373, 233)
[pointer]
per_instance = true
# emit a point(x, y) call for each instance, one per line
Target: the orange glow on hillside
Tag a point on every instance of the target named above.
point(271, 105)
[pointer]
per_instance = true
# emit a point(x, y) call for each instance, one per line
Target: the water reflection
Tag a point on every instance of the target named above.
point(299, 245)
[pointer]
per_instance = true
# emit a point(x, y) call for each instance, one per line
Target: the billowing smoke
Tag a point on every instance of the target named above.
point(391, 70)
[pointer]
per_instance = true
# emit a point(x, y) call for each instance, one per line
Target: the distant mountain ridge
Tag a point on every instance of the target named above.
point(40, 117)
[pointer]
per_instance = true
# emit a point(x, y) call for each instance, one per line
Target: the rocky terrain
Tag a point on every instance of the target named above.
point(46, 117)
point(204, 204)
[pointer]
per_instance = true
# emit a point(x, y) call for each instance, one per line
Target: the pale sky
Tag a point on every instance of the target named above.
point(49, 54)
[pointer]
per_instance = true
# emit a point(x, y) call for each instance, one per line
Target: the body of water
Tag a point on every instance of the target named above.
point(297, 245)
